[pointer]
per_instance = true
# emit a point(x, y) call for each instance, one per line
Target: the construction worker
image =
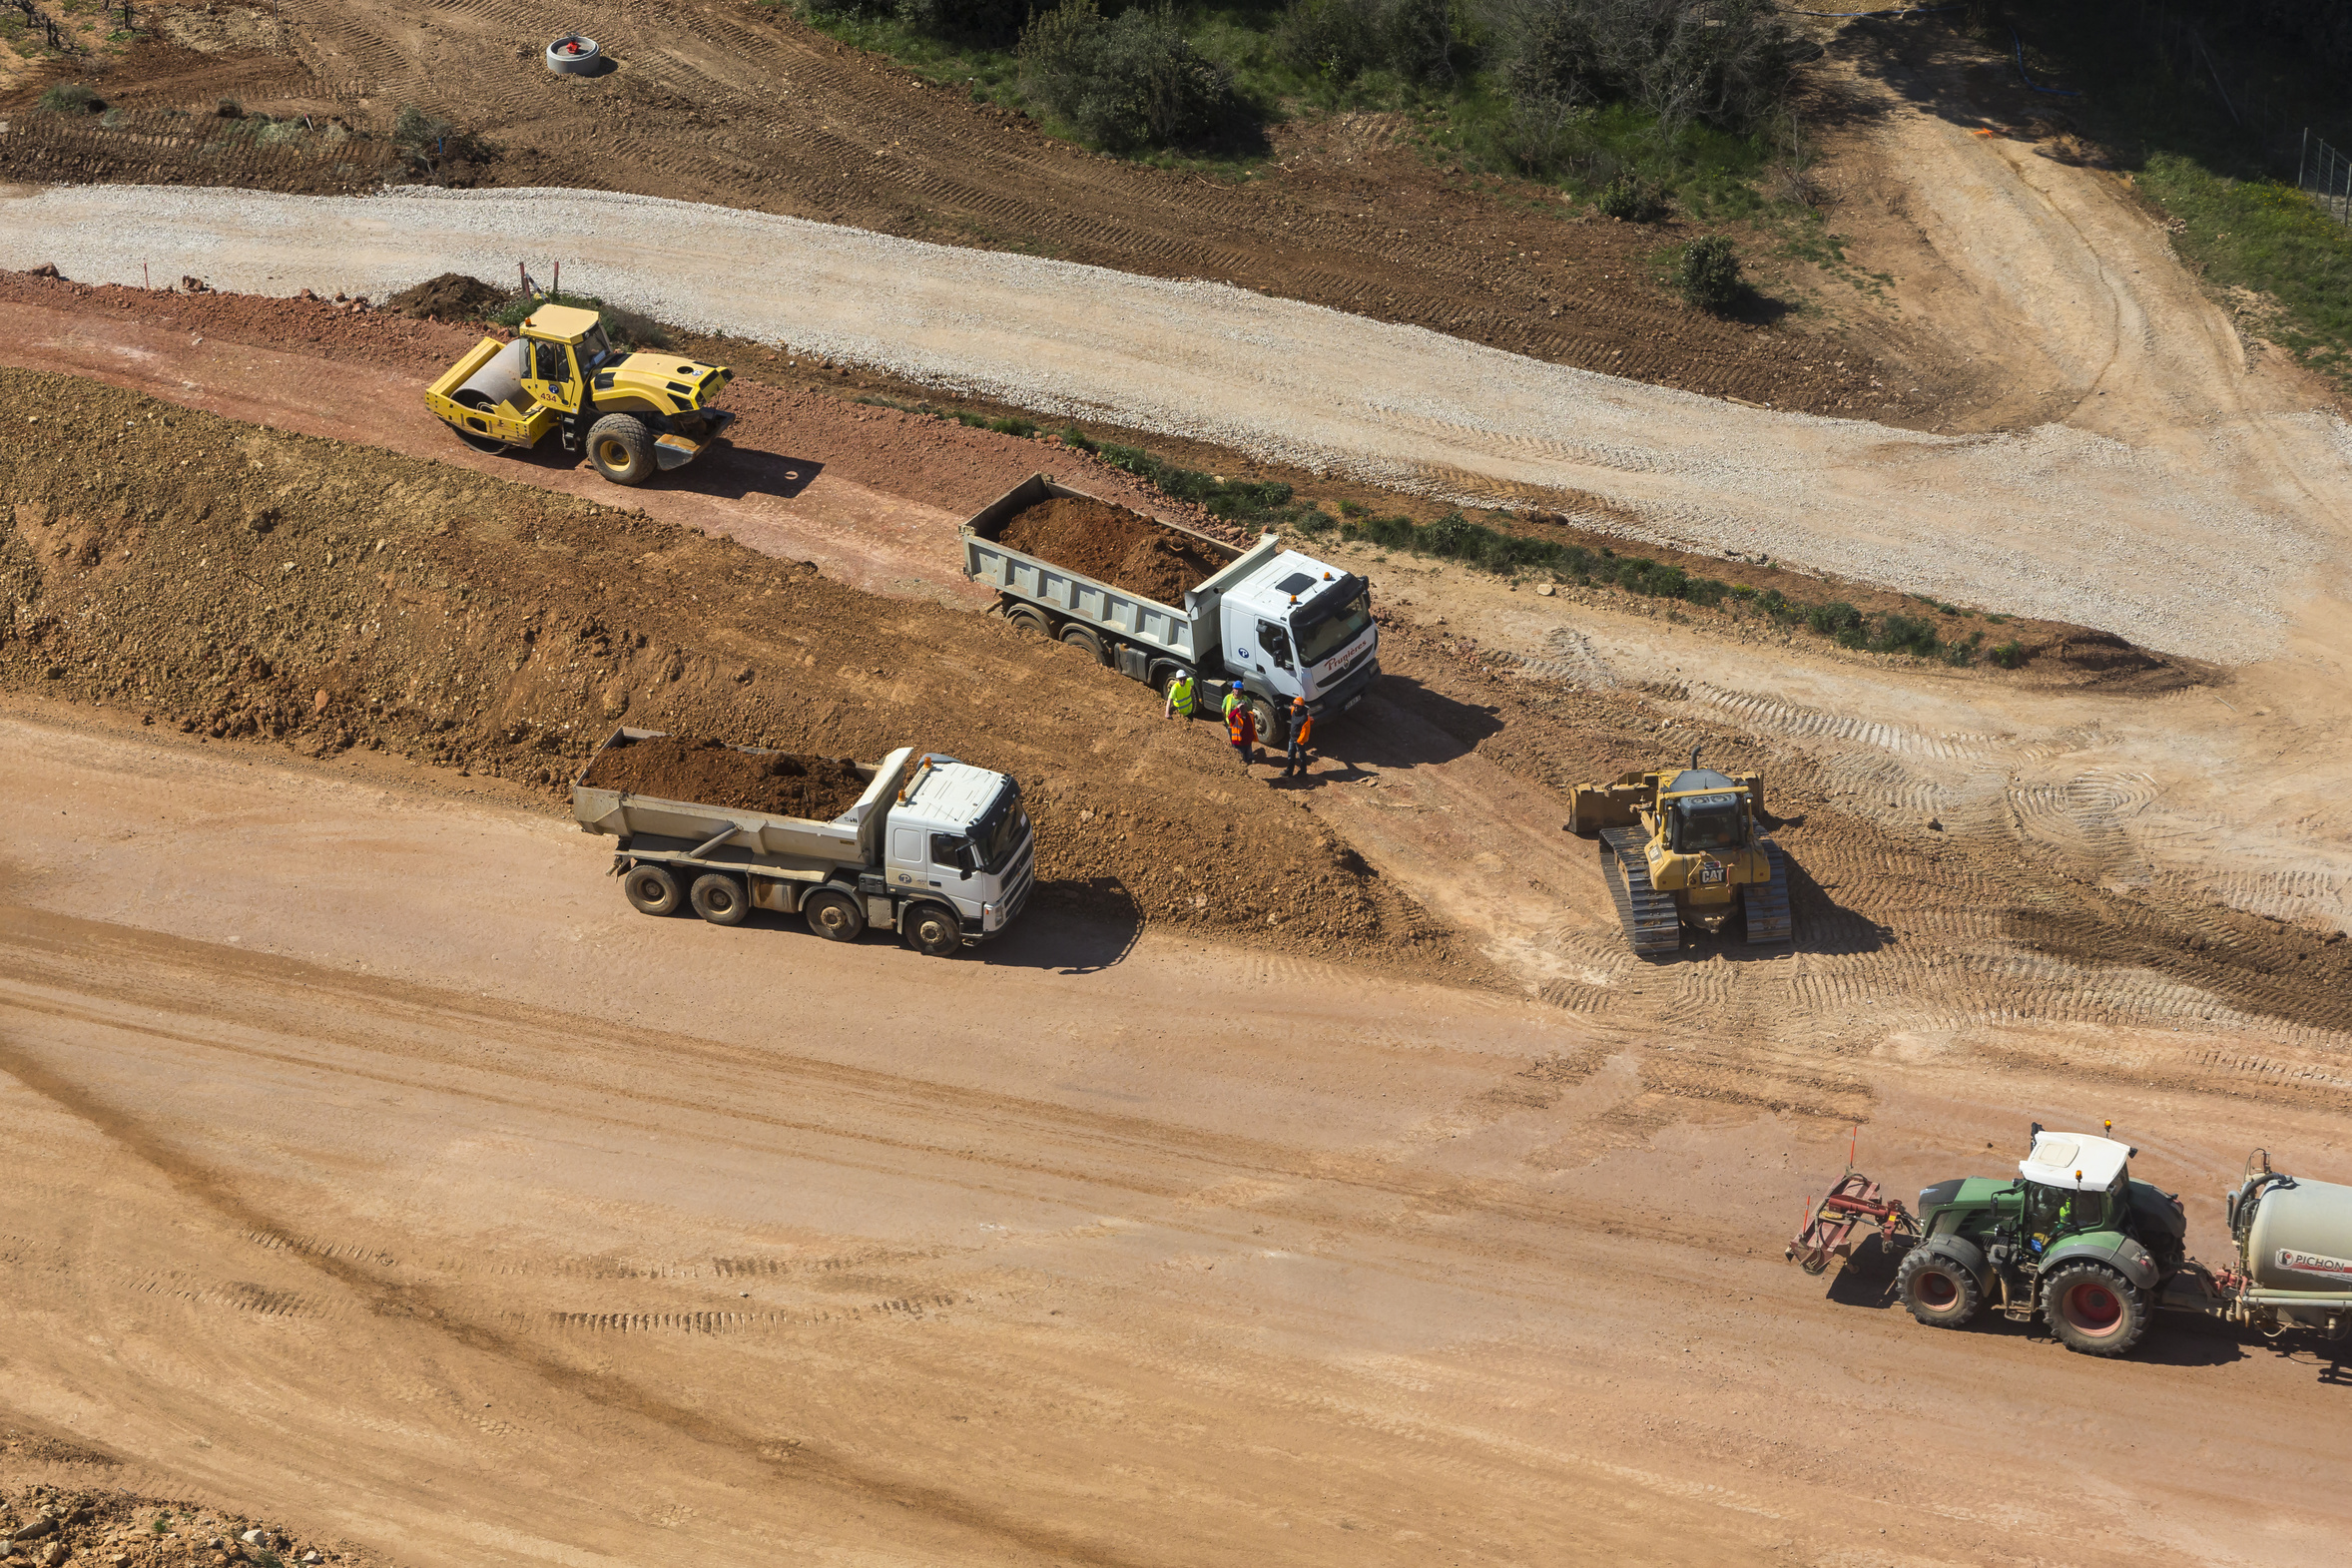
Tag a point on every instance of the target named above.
point(1232, 700)
point(1302, 722)
point(1180, 693)
point(1241, 727)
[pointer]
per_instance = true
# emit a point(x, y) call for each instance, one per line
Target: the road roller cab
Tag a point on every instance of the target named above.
point(633, 414)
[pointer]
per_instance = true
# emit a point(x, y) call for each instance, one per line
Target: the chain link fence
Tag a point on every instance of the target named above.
point(2325, 175)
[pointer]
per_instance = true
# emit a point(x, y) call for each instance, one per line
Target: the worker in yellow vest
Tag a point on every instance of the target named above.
point(1180, 696)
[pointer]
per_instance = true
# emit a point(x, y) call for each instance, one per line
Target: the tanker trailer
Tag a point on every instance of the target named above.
point(2294, 1247)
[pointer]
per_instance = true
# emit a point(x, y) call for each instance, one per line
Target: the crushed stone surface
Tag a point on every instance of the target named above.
point(2183, 541)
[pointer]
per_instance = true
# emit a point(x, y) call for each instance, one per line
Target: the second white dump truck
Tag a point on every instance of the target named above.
point(1282, 623)
point(936, 850)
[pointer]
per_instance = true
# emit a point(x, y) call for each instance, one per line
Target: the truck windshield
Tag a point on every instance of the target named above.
point(1001, 829)
point(1332, 629)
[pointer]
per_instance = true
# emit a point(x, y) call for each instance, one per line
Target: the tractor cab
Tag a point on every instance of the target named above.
point(2071, 1184)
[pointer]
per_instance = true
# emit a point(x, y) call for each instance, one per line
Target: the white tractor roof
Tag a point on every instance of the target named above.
point(2080, 1162)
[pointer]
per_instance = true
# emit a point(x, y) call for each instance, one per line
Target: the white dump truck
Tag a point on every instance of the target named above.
point(1280, 621)
point(936, 850)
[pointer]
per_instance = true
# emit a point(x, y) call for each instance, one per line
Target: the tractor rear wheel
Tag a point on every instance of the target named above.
point(621, 447)
point(1937, 1290)
point(2094, 1310)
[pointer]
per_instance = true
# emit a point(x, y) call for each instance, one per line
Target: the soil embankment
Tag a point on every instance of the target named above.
point(246, 583)
point(712, 772)
point(1112, 545)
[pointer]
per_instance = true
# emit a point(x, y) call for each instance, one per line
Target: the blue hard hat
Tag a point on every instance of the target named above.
point(1237, 686)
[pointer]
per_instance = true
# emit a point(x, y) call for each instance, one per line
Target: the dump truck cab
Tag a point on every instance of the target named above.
point(1295, 627)
point(634, 414)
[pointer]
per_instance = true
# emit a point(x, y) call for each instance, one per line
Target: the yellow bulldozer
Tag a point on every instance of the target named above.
point(635, 414)
point(1686, 846)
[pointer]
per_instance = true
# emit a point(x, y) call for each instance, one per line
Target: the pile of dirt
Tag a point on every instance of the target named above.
point(246, 583)
point(102, 1522)
point(712, 772)
point(1112, 545)
point(453, 296)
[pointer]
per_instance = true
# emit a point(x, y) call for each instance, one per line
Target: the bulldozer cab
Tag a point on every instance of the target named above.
point(1708, 820)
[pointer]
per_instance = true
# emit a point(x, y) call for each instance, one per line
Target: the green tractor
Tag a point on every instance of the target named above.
point(2073, 1238)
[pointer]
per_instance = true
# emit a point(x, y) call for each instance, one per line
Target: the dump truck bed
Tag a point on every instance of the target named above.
point(724, 832)
point(1188, 632)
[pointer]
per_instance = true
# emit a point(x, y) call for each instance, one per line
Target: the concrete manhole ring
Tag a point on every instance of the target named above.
point(574, 55)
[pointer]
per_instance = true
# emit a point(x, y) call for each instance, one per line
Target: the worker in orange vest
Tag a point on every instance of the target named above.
point(1241, 725)
point(1302, 722)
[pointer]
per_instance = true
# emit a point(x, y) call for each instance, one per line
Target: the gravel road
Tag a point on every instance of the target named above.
point(2202, 538)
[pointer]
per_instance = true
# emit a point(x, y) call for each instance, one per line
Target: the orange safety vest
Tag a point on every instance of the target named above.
point(1242, 725)
point(1304, 728)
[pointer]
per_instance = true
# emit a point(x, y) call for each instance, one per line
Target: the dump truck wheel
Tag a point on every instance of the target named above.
point(1030, 617)
point(1084, 639)
point(2095, 1310)
point(651, 889)
point(1938, 1291)
point(834, 916)
point(1274, 728)
point(621, 447)
point(932, 929)
point(720, 899)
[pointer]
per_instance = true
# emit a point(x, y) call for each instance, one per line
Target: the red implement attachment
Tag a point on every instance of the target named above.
point(1852, 1205)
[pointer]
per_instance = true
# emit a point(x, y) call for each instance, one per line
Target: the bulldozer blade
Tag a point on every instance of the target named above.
point(1651, 922)
point(1767, 908)
point(675, 451)
point(1589, 810)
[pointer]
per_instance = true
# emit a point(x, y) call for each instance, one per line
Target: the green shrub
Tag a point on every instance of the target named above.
point(1724, 63)
point(71, 98)
point(1632, 198)
point(2009, 655)
point(1905, 634)
point(1125, 82)
point(1339, 41)
point(1708, 275)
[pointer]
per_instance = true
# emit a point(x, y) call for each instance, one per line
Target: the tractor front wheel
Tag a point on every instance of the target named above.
point(621, 447)
point(2094, 1310)
point(1937, 1290)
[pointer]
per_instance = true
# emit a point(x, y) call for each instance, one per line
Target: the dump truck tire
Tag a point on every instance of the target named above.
point(1084, 639)
point(834, 916)
point(720, 899)
point(1938, 1291)
point(1030, 617)
point(651, 889)
point(1274, 726)
point(932, 929)
point(2095, 1310)
point(621, 447)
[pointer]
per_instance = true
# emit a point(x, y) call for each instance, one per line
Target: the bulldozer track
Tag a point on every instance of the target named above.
point(1651, 922)
point(1767, 908)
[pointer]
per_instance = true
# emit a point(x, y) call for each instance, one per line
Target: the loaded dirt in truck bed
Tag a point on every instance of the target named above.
point(1112, 545)
point(711, 773)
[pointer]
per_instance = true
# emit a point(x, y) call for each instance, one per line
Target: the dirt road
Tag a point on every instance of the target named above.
point(2068, 523)
point(373, 1159)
